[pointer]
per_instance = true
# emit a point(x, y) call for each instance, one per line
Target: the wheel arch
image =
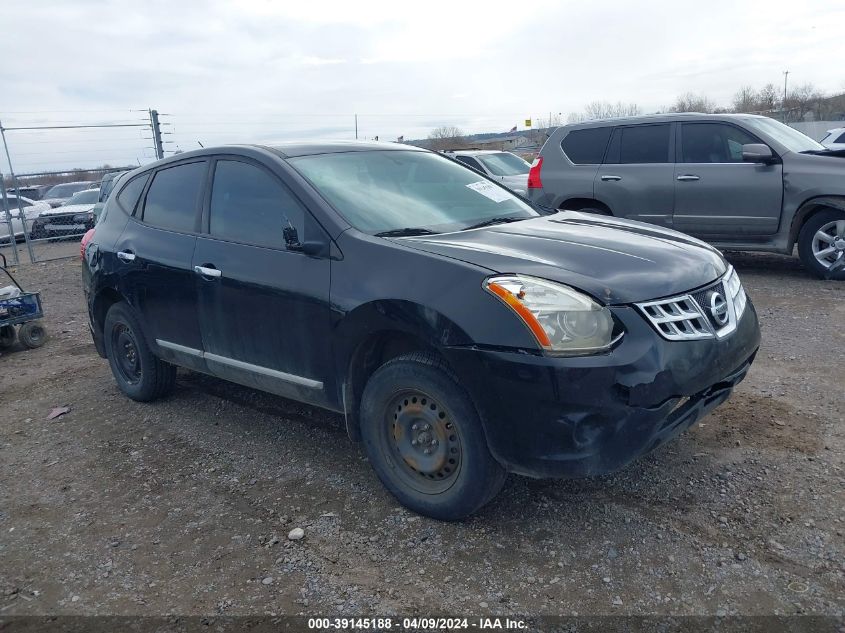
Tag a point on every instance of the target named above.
point(377, 332)
point(104, 299)
point(577, 204)
point(808, 209)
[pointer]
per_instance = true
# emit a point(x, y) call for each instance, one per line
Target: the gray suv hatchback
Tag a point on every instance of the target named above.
point(740, 182)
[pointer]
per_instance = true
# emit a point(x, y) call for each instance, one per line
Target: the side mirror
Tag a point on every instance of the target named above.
point(292, 243)
point(757, 153)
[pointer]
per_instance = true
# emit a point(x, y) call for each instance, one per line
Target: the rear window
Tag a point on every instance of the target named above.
point(173, 197)
point(505, 164)
point(586, 147)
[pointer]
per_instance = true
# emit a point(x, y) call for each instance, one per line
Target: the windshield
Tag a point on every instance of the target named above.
point(504, 164)
point(67, 190)
point(789, 137)
point(382, 191)
point(84, 197)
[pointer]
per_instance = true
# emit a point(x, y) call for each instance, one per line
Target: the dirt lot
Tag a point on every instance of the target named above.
point(184, 506)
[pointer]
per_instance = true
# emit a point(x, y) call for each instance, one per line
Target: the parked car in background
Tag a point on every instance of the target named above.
point(70, 219)
point(106, 187)
point(33, 192)
point(834, 139)
point(32, 209)
point(740, 182)
point(507, 168)
point(59, 194)
point(462, 332)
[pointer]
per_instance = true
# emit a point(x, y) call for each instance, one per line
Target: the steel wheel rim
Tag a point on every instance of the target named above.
point(829, 243)
point(126, 355)
point(423, 441)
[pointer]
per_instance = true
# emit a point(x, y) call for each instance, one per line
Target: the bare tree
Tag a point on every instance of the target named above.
point(446, 137)
point(768, 98)
point(803, 100)
point(746, 99)
point(605, 110)
point(691, 102)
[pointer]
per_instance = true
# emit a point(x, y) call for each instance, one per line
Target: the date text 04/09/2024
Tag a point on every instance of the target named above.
point(416, 623)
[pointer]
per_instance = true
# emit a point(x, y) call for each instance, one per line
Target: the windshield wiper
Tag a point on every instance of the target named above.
point(408, 231)
point(504, 219)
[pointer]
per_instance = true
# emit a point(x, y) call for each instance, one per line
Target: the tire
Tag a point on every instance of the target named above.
point(32, 334)
point(831, 223)
point(138, 372)
point(7, 336)
point(412, 404)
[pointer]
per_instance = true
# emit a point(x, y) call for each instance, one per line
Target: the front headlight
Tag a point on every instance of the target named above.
point(734, 287)
point(563, 320)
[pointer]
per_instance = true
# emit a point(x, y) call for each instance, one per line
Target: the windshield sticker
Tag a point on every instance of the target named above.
point(489, 190)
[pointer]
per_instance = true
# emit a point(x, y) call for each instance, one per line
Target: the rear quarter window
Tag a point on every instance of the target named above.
point(128, 197)
point(586, 147)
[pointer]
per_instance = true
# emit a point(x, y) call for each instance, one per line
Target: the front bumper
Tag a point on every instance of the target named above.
point(583, 416)
point(70, 225)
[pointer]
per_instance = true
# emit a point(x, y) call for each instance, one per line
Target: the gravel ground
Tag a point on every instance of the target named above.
point(185, 506)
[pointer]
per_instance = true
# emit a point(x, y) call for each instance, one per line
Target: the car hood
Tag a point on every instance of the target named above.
point(616, 261)
point(67, 209)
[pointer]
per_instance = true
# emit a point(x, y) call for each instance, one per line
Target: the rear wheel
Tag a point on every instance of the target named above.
point(7, 336)
point(33, 334)
point(821, 244)
point(425, 441)
point(138, 372)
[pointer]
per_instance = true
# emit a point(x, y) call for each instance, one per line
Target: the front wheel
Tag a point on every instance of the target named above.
point(138, 372)
point(821, 244)
point(425, 441)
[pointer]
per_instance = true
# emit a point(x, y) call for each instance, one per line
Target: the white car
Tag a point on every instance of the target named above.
point(835, 138)
point(71, 219)
point(505, 167)
point(32, 209)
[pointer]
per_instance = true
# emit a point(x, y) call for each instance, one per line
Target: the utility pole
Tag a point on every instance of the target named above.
point(159, 147)
point(783, 104)
point(356, 127)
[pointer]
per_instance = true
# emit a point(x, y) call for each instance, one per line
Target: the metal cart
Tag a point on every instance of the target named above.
point(22, 309)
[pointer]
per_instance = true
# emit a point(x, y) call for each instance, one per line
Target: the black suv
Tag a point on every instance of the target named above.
point(462, 332)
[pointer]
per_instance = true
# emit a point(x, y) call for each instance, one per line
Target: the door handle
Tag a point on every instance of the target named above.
point(686, 177)
point(126, 256)
point(208, 271)
point(611, 178)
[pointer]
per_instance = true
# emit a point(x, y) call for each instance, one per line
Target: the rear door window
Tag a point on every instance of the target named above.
point(640, 144)
point(172, 201)
point(251, 205)
point(841, 138)
point(586, 147)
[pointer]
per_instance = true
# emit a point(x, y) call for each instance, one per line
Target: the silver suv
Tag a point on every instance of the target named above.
point(507, 168)
point(740, 182)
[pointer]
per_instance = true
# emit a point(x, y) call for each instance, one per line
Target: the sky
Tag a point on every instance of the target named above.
point(274, 70)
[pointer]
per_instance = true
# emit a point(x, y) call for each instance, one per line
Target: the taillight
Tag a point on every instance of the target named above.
point(534, 180)
point(85, 239)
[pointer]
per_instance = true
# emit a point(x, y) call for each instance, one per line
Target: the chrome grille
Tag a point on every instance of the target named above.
point(689, 316)
point(678, 318)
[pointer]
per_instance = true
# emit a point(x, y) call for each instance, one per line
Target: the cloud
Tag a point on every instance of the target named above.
point(257, 69)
